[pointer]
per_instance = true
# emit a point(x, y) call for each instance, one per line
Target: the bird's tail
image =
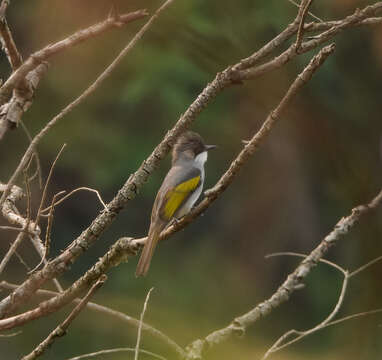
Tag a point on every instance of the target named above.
point(148, 251)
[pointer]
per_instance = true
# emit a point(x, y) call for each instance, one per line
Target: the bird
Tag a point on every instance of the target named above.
point(178, 193)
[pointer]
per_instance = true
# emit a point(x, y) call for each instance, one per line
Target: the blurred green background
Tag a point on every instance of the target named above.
point(321, 160)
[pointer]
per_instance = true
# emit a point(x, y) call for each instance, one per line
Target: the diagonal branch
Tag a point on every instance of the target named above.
point(291, 284)
point(127, 247)
point(352, 20)
point(138, 344)
point(129, 190)
point(116, 350)
point(114, 314)
point(311, 14)
point(53, 49)
point(22, 98)
point(6, 38)
point(282, 342)
point(60, 330)
point(53, 269)
point(304, 7)
point(26, 76)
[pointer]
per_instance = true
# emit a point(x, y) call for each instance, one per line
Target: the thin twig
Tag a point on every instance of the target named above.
point(100, 309)
point(54, 204)
point(111, 351)
point(311, 14)
point(14, 228)
point(22, 98)
point(47, 235)
point(364, 267)
point(305, 4)
point(351, 317)
point(29, 197)
point(129, 190)
point(140, 324)
point(60, 330)
point(291, 284)
point(11, 250)
point(46, 185)
point(11, 335)
point(107, 261)
point(301, 334)
point(106, 73)
point(350, 21)
point(27, 267)
point(324, 261)
point(36, 280)
point(36, 156)
point(52, 49)
point(6, 38)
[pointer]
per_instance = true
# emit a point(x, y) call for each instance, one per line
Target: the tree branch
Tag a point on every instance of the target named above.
point(228, 77)
point(53, 49)
point(118, 253)
point(291, 284)
point(7, 41)
point(303, 11)
point(60, 330)
point(114, 314)
point(137, 350)
point(289, 54)
point(116, 350)
point(22, 98)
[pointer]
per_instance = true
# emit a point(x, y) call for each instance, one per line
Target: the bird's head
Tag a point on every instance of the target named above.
point(190, 145)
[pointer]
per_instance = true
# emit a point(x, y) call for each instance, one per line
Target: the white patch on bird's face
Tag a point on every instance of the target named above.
point(201, 158)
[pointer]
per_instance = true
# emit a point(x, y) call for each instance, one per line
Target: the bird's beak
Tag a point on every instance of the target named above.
point(210, 147)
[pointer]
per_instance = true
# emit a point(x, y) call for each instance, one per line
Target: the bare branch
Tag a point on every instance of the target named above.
point(11, 335)
point(23, 82)
point(35, 155)
point(114, 314)
point(116, 350)
point(11, 250)
point(61, 329)
point(47, 237)
point(11, 213)
point(53, 49)
point(303, 11)
point(54, 203)
point(13, 228)
point(289, 54)
point(137, 350)
point(95, 229)
point(364, 267)
point(228, 77)
point(79, 37)
point(46, 185)
point(291, 284)
point(351, 317)
point(312, 15)
point(279, 344)
point(7, 41)
point(324, 261)
point(223, 183)
point(12, 111)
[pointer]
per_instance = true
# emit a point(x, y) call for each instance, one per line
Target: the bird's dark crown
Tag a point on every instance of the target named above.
point(190, 144)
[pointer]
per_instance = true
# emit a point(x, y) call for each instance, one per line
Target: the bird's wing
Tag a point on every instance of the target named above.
point(177, 196)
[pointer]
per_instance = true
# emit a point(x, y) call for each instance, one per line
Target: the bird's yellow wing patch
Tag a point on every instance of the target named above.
point(176, 197)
